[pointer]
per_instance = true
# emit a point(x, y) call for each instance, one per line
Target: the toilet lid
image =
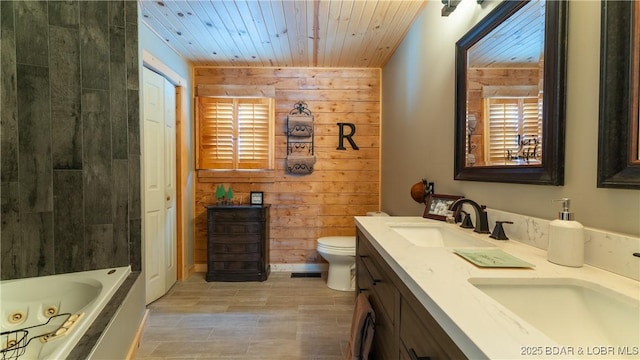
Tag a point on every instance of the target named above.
point(343, 242)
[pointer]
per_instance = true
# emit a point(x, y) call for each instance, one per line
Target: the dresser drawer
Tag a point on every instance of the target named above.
point(237, 214)
point(235, 248)
point(236, 266)
point(234, 257)
point(221, 227)
point(224, 238)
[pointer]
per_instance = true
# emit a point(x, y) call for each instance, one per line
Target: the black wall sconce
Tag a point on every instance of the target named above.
point(450, 6)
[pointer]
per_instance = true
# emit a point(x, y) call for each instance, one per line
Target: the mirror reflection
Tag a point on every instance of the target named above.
point(635, 126)
point(619, 118)
point(505, 88)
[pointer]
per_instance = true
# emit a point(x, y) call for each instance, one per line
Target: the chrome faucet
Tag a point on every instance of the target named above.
point(482, 223)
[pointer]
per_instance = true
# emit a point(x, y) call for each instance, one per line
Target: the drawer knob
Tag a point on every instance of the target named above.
point(414, 356)
point(375, 281)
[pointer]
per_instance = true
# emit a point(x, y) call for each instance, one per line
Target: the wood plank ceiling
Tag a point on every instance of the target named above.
point(282, 33)
point(516, 42)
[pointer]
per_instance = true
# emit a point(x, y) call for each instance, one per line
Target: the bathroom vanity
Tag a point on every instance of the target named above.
point(432, 303)
point(403, 326)
point(237, 243)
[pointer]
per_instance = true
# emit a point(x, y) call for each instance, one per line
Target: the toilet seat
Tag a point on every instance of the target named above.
point(340, 242)
point(339, 245)
point(337, 242)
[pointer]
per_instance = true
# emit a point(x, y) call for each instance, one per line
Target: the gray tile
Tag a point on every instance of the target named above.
point(118, 81)
point(94, 44)
point(170, 334)
point(162, 320)
point(10, 237)
point(135, 244)
point(131, 11)
point(131, 55)
point(198, 349)
point(135, 198)
point(32, 32)
point(68, 217)
point(64, 13)
point(50, 126)
point(8, 96)
point(253, 332)
point(37, 244)
point(120, 213)
point(133, 105)
point(34, 149)
point(97, 157)
point(66, 120)
point(116, 12)
point(99, 246)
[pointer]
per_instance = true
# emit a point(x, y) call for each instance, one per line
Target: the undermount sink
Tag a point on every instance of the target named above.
point(436, 235)
point(569, 311)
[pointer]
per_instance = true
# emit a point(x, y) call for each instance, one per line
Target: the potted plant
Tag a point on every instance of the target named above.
point(220, 195)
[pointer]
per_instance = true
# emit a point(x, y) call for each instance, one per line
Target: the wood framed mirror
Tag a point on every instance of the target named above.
point(619, 123)
point(510, 95)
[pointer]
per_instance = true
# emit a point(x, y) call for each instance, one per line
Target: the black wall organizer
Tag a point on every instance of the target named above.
point(300, 156)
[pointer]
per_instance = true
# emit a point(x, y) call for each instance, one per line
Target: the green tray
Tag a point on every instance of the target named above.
point(492, 258)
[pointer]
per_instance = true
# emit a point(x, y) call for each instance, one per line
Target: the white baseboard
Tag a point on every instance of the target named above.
point(299, 267)
point(202, 268)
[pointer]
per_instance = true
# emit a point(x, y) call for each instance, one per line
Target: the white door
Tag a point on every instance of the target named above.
point(159, 184)
point(171, 218)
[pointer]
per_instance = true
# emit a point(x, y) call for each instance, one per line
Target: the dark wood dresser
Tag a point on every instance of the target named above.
point(237, 243)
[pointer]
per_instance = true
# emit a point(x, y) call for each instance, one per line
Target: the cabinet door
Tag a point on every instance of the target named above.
point(421, 335)
point(374, 280)
point(379, 277)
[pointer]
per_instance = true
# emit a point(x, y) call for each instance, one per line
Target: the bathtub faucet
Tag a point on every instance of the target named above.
point(482, 223)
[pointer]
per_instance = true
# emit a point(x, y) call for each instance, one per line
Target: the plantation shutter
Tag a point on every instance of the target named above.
point(215, 133)
point(532, 120)
point(508, 118)
point(253, 133)
point(234, 133)
point(503, 129)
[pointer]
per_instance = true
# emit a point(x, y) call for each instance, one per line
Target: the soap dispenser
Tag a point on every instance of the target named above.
point(566, 239)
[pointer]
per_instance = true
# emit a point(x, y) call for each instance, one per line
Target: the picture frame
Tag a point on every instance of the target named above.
point(437, 206)
point(256, 198)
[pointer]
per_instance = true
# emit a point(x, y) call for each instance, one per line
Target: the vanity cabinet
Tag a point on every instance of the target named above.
point(237, 243)
point(374, 277)
point(421, 334)
point(404, 328)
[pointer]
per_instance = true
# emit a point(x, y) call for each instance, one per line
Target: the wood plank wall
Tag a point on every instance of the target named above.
point(504, 79)
point(345, 183)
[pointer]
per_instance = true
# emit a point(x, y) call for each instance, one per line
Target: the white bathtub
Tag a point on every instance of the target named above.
point(26, 302)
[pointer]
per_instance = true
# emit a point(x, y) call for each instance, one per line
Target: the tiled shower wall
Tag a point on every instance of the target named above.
point(70, 137)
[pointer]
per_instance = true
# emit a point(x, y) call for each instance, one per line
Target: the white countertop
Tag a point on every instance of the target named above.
point(479, 325)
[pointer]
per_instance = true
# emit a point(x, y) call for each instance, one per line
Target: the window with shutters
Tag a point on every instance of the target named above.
point(234, 133)
point(514, 131)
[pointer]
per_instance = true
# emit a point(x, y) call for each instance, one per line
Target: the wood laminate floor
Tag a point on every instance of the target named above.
point(282, 318)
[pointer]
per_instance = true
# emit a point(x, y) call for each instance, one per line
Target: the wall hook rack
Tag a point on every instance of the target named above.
point(300, 143)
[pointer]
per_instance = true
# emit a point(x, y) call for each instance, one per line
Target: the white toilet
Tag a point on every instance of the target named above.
point(340, 253)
